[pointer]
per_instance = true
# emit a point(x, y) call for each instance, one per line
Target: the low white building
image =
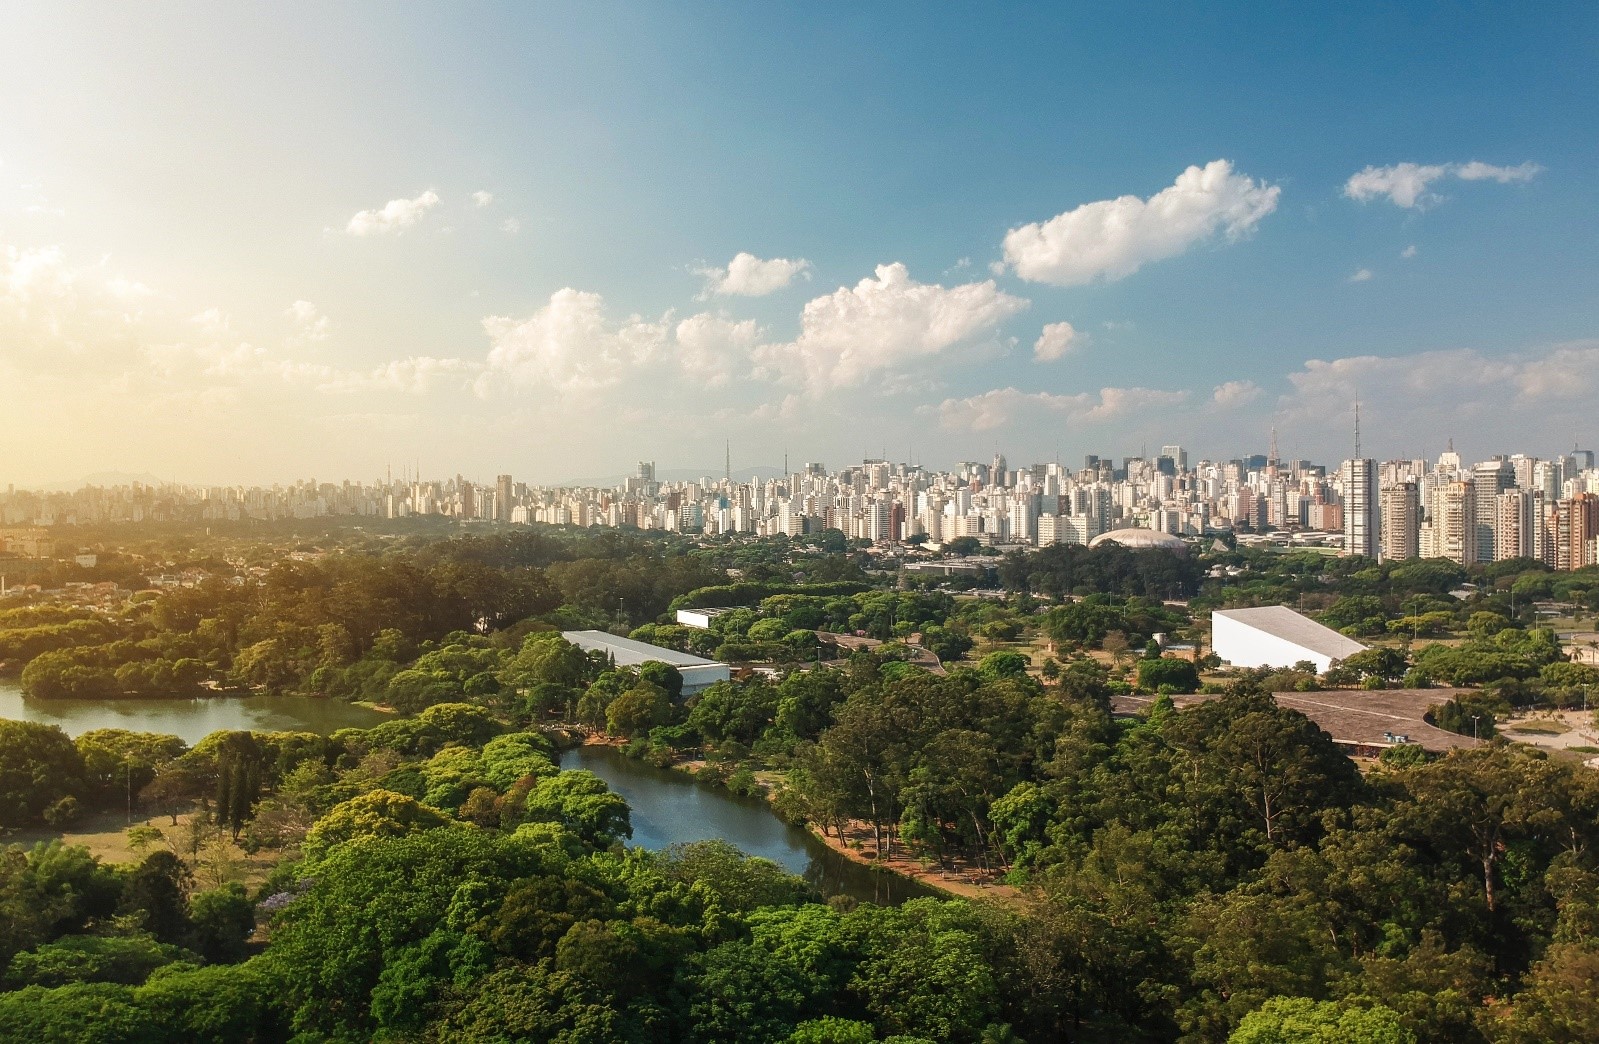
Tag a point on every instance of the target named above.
point(698, 673)
point(1276, 636)
point(700, 618)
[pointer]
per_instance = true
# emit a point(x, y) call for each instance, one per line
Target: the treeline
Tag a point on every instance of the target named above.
point(1394, 596)
point(1066, 569)
point(1216, 873)
point(782, 626)
point(305, 617)
point(446, 882)
point(1188, 868)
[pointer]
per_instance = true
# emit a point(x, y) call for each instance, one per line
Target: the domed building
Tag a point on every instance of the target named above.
point(1141, 539)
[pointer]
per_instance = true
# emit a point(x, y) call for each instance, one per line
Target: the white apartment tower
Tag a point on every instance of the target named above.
point(1401, 522)
point(1515, 524)
point(1362, 522)
point(1489, 479)
point(1451, 527)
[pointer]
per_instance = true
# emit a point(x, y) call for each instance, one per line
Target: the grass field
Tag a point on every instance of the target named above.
point(1541, 728)
point(105, 835)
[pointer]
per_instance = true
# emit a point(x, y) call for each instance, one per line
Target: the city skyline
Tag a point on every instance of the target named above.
point(236, 247)
point(614, 472)
point(1507, 508)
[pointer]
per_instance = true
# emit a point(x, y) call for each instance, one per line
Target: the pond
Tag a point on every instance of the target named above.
point(670, 808)
point(190, 720)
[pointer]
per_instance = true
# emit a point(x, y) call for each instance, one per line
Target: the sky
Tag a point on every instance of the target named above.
point(251, 243)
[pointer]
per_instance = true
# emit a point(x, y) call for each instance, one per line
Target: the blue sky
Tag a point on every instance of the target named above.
point(193, 233)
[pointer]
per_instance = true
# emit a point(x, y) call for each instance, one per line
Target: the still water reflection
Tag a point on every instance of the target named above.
point(669, 808)
point(191, 720)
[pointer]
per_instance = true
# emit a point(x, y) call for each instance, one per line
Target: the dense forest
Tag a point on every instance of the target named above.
point(1203, 874)
point(1217, 872)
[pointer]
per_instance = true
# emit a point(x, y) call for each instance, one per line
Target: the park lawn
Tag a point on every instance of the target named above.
point(105, 835)
point(1541, 728)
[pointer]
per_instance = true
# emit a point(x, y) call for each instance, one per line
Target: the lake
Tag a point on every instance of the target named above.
point(667, 807)
point(190, 720)
point(670, 808)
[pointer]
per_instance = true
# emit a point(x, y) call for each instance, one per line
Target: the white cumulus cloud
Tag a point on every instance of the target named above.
point(482, 198)
point(1479, 171)
point(396, 215)
point(749, 276)
point(36, 272)
point(994, 409)
point(309, 323)
point(1409, 403)
point(714, 349)
point(510, 226)
point(1234, 394)
point(882, 324)
point(1405, 184)
point(569, 345)
point(1055, 341)
point(1362, 275)
point(1114, 238)
point(1409, 185)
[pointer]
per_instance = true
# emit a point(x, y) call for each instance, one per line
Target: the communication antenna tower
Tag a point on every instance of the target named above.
point(1357, 427)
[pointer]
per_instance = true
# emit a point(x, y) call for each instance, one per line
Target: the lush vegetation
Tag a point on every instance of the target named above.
point(1220, 872)
point(336, 620)
point(1215, 873)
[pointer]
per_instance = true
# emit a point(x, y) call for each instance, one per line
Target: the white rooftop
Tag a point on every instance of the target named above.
point(629, 653)
point(1282, 622)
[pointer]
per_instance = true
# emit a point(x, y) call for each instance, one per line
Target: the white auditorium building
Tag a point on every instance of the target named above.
point(1276, 636)
point(698, 672)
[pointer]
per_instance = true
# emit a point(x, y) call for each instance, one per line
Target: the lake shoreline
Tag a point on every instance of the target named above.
point(961, 881)
point(191, 718)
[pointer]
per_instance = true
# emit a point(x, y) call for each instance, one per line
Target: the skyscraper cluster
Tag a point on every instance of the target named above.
point(1506, 507)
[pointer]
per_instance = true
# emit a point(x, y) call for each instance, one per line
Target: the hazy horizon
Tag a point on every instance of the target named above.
point(243, 246)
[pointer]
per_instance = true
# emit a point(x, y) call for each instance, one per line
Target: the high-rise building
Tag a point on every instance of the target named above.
point(1362, 522)
point(1572, 531)
point(1401, 522)
point(1489, 479)
point(1451, 527)
point(502, 498)
point(1514, 524)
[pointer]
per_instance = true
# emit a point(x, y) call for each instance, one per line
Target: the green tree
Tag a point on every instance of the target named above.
point(1255, 759)
point(241, 764)
point(638, 710)
point(580, 801)
point(377, 813)
point(1003, 664)
point(1180, 675)
point(1476, 804)
point(39, 768)
point(158, 892)
point(1296, 1020)
point(221, 921)
point(92, 958)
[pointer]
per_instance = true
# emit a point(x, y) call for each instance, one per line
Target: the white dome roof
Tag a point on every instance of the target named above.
point(1139, 539)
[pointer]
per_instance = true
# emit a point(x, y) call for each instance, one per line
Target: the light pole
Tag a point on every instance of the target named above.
point(1474, 719)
